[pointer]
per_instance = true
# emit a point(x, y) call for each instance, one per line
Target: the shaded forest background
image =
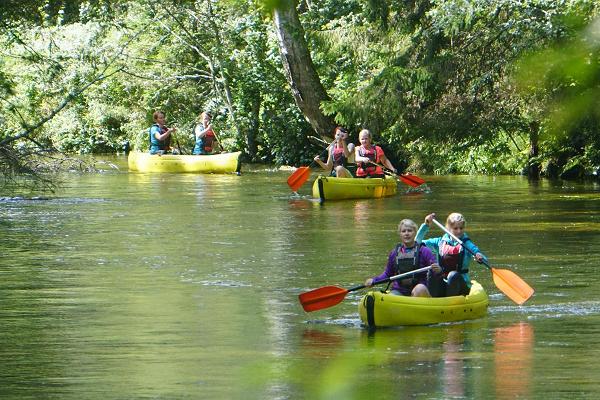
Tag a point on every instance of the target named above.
point(446, 86)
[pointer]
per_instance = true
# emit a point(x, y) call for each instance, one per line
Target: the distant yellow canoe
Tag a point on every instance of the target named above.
point(379, 309)
point(207, 164)
point(330, 188)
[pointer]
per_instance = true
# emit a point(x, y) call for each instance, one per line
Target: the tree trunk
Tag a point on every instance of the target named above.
point(533, 168)
point(251, 136)
point(300, 72)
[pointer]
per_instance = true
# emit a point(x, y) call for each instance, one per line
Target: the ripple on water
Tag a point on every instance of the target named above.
point(348, 321)
point(223, 283)
point(544, 311)
point(294, 196)
point(418, 190)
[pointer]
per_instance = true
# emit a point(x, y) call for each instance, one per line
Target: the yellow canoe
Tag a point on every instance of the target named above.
point(207, 164)
point(379, 309)
point(331, 188)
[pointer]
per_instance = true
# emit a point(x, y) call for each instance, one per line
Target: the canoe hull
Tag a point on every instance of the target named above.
point(379, 309)
point(330, 188)
point(209, 164)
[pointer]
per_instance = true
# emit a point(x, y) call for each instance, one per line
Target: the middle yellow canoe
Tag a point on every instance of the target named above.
point(379, 309)
point(330, 188)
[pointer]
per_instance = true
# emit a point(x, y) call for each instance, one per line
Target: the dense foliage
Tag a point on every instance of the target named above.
point(445, 86)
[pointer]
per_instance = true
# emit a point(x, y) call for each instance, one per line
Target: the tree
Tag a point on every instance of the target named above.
point(302, 76)
point(567, 74)
point(36, 87)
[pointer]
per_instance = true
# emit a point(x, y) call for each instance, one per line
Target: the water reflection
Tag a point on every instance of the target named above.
point(453, 363)
point(361, 212)
point(421, 355)
point(321, 344)
point(93, 307)
point(513, 360)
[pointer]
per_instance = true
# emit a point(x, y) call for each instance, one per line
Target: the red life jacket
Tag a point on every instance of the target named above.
point(368, 169)
point(209, 140)
point(451, 257)
point(339, 158)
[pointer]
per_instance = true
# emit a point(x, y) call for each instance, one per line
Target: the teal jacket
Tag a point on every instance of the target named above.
point(434, 245)
point(155, 144)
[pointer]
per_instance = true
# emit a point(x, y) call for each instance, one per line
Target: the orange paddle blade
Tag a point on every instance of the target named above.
point(512, 285)
point(324, 297)
point(411, 180)
point(298, 178)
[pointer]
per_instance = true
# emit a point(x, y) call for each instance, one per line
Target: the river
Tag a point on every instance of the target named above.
point(134, 286)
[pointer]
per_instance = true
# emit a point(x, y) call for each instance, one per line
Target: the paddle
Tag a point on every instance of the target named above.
point(300, 176)
point(318, 139)
point(176, 137)
point(507, 281)
point(410, 180)
point(218, 140)
point(328, 296)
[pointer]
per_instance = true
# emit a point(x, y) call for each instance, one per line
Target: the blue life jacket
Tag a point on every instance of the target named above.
point(204, 145)
point(155, 144)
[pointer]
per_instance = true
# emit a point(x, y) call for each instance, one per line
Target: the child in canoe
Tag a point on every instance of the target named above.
point(206, 139)
point(368, 155)
point(339, 155)
point(160, 134)
point(451, 256)
point(408, 256)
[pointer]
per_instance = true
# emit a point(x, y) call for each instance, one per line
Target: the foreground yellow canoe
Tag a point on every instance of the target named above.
point(210, 164)
point(379, 309)
point(330, 188)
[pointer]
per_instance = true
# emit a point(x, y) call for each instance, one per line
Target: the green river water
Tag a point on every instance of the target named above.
point(148, 286)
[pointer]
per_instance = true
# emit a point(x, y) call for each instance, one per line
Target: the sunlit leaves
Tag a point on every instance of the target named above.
point(567, 76)
point(569, 73)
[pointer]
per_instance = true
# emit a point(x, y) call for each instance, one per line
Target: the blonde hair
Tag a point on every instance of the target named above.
point(408, 223)
point(456, 218)
point(368, 132)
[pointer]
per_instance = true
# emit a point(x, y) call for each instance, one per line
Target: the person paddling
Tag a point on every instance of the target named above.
point(366, 154)
point(160, 135)
point(408, 256)
point(451, 256)
point(205, 136)
point(338, 155)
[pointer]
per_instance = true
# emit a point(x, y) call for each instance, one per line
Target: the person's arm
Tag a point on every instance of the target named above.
point(329, 164)
point(384, 160)
point(421, 233)
point(431, 243)
point(358, 158)
point(389, 164)
point(473, 250)
point(351, 153)
point(201, 130)
point(387, 273)
point(163, 136)
point(321, 163)
point(429, 259)
point(345, 148)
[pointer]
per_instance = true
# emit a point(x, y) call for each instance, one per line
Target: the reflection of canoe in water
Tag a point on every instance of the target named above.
point(379, 309)
point(210, 164)
point(330, 188)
